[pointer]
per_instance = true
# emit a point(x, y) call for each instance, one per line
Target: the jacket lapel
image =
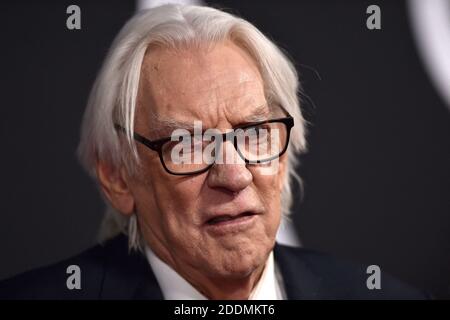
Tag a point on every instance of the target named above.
point(127, 275)
point(300, 282)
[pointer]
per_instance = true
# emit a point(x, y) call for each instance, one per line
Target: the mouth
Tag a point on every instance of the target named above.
point(224, 219)
point(224, 224)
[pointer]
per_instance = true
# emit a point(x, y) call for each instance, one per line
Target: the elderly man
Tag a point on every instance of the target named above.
point(187, 225)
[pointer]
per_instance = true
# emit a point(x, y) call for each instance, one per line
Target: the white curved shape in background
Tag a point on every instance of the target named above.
point(430, 23)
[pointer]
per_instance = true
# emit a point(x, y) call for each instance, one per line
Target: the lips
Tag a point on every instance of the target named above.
point(222, 219)
point(230, 222)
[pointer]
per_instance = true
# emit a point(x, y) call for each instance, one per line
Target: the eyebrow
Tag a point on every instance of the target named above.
point(260, 113)
point(165, 126)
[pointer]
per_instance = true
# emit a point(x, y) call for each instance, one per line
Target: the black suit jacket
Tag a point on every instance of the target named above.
point(109, 271)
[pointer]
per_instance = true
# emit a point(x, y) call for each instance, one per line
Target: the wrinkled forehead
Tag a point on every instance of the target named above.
point(219, 85)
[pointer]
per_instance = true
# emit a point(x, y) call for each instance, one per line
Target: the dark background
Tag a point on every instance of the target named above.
point(377, 175)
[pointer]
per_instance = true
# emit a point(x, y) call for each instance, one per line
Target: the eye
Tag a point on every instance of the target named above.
point(259, 133)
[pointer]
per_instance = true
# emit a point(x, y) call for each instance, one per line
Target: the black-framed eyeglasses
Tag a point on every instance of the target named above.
point(255, 143)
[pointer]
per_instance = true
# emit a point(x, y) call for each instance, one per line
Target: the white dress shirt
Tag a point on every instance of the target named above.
point(175, 287)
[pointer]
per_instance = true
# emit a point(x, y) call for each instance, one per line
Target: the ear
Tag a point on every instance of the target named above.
point(114, 184)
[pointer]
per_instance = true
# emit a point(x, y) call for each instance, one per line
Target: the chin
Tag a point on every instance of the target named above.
point(241, 262)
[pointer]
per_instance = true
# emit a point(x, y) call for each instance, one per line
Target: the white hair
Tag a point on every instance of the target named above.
point(113, 96)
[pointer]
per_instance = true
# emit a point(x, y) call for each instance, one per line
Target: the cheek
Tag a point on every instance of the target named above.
point(269, 181)
point(167, 207)
point(268, 188)
point(172, 200)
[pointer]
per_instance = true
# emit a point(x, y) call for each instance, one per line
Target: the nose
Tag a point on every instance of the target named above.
point(233, 176)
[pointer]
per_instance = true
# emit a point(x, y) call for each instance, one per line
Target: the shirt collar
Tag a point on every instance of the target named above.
point(175, 287)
